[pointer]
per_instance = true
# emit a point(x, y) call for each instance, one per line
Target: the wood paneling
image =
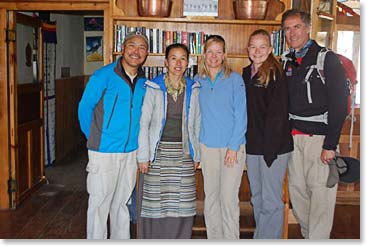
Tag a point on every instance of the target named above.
point(4, 117)
point(350, 193)
point(68, 135)
point(29, 164)
point(54, 4)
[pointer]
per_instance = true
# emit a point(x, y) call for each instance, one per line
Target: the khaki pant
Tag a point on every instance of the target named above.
point(313, 203)
point(221, 187)
point(110, 182)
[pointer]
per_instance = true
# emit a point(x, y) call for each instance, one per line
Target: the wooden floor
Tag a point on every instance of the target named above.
point(58, 211)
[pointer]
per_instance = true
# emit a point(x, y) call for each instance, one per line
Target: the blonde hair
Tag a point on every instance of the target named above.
point(203, 70)
point(271, 65)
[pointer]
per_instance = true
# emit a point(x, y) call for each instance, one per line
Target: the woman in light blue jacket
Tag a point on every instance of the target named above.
point(168, 151)
point(222, 139)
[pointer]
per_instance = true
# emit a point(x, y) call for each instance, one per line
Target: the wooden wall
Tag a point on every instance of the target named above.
point(350, 193)
point(68, 135)
point(4, 118)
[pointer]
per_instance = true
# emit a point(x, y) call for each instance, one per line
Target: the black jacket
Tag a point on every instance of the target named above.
point(331, 96)
point(268, 129)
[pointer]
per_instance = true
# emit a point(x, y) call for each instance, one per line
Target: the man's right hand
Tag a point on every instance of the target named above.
point(143, 167)
point(327, 155)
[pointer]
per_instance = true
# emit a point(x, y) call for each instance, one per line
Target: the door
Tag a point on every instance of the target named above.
point(26, 106)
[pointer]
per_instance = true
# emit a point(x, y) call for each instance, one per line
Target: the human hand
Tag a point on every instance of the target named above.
point(143, 167)
point(327, 155)
point(230, 158)
point(196, 165)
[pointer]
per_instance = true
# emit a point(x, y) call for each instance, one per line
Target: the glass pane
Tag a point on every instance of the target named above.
point(27, 57)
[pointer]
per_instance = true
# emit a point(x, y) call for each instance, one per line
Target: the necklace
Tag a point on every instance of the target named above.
point(171, 90)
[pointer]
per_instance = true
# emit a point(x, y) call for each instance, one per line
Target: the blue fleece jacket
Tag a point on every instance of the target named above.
point(109, 111)
point(223, 111)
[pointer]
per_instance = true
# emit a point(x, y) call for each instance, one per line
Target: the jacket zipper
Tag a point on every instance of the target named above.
point(113, 109)
point(164, 123)
point(128, 134)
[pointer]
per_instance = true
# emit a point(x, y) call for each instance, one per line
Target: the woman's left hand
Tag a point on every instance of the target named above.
point(231, 158)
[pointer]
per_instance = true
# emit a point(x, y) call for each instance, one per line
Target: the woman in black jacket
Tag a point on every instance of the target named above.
point(269, 140)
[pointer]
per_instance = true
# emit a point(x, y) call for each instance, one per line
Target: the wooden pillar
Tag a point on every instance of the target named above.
point(4, 119)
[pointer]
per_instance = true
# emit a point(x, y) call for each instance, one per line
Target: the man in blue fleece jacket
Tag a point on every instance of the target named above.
point(109, 115)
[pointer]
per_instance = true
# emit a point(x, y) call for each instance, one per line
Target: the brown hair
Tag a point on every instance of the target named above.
point(203, 70)
point(270, 64)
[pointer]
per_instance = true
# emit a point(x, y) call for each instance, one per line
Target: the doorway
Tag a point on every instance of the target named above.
point(29, 149)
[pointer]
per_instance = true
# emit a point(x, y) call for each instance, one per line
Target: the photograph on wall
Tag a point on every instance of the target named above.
point(94, 48)
point(93, 23)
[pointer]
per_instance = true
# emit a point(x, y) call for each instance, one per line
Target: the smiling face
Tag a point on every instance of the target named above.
point(259, 48)
point(134, 53)
point(296, 32)
point(176, 62)
point(214, 55)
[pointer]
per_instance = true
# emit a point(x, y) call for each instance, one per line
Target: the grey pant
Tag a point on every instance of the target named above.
point(313, 203)
point(110, 182)
point(221, 187)
point(267, 194)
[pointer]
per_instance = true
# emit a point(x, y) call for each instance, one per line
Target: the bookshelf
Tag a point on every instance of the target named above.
point(235, 32)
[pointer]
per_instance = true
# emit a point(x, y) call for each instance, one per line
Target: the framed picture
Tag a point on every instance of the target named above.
point(94, 48)
point(325, 6)
point(93, 23)
point(200, 8)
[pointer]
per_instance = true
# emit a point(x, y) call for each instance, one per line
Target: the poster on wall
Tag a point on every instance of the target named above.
point(93, 23)
point(94, 48)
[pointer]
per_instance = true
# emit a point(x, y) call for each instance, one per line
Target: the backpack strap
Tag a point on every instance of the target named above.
point(320, 63)
point(322, 118)
point(284, 58)
point(319, 66)
point(308, 84)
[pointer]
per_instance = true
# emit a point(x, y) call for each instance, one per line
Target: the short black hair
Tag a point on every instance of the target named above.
point(175, 46)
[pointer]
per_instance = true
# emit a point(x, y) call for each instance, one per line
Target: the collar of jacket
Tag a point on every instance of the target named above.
point(158, 83)
point(119, 69)
point(302, 52)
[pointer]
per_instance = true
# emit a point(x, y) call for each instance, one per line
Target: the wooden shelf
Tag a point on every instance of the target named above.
point(197, 20)
point(161, 54)
point(325, 15)
point(235, 31)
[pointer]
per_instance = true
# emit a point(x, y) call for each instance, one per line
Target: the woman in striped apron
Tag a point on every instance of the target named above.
point(168, 151)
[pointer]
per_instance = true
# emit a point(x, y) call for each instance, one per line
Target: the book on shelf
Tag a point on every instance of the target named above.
point(153, 71)
point(159, 39)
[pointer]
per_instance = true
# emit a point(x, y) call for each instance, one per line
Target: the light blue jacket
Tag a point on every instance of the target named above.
point(223, 111)
point(109, 112)
point(153, 119)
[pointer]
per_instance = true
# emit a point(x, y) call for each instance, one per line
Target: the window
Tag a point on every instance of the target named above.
point(349, 45)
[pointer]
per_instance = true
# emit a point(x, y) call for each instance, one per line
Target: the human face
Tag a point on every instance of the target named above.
point(134, 53)
point(259, 49)
point(176, 62)
point(296, 32)
point(214, 55)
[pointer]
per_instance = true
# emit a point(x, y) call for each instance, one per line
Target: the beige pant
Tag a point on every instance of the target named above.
point(110, 182)
point(313, 203)
point(221, 187)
